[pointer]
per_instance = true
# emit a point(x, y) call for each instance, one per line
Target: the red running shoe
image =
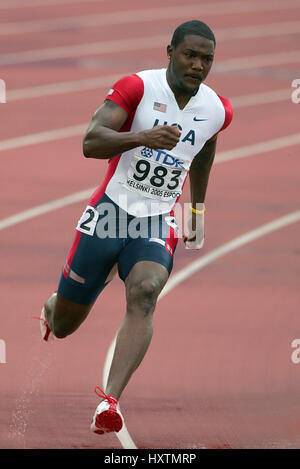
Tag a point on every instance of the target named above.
point(107, 417)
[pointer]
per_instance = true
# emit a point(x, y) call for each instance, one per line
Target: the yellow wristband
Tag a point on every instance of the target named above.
point(198, 212)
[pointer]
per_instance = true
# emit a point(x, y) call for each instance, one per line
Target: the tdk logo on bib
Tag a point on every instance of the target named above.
point(147, 152)
point(162, 157)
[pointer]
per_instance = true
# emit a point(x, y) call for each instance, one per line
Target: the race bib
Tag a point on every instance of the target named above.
point(88, 221)
point(156, 174)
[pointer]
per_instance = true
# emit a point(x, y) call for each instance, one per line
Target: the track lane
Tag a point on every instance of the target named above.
point(43, 260)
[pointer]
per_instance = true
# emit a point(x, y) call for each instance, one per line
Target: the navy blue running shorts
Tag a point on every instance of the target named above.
point(107, 236)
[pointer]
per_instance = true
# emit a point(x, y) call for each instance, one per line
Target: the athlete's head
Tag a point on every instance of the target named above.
point(191, 55)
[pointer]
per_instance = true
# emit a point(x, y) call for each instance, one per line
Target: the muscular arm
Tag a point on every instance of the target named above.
point(102, 139)
point(200, 170)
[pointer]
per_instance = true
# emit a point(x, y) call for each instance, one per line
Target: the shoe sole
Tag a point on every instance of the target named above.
point(108, 421)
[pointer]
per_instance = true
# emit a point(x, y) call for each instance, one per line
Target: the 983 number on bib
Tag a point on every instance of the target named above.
point(158, 178)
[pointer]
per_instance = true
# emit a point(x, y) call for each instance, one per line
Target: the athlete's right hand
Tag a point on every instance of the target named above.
point(164, 137)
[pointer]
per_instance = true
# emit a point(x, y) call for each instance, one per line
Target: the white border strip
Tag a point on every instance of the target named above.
point(124, 436)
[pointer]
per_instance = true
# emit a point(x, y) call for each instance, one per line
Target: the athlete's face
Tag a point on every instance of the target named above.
point(190, 63)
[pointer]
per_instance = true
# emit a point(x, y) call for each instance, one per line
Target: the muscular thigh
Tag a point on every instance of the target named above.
point(155, 244)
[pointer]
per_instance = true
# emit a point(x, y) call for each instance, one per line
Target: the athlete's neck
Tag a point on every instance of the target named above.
point(181, 95)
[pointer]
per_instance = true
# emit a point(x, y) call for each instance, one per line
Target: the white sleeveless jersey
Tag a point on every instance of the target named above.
point(147, 182)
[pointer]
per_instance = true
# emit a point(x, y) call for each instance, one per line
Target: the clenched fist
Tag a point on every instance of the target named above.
point(164, 137)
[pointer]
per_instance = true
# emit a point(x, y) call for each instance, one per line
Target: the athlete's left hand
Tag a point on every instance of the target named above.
point(194, 237)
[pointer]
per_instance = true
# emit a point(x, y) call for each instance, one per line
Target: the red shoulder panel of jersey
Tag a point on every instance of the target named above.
point(127, 92)
point(228, 112)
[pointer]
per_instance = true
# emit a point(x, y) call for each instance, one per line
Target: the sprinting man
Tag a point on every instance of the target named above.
point(155, 127)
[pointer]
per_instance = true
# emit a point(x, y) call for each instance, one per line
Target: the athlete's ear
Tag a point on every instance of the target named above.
point(169, 51)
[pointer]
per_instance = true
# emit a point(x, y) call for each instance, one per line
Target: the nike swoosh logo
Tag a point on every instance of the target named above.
point(198, 120)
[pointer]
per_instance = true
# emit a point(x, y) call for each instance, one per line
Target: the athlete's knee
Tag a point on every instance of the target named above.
point(142, 296)
point(57, 326)
point(63, 317)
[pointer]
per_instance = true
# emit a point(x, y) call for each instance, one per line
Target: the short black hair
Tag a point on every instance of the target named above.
point(194, 27)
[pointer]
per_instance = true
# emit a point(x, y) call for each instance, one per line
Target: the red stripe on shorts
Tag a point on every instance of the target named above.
point(171, 241)
point(71, 254)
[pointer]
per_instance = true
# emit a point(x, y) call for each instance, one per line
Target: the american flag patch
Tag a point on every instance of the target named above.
point(160, 107)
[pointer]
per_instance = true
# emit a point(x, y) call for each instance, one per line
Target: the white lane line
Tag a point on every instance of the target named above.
point(145, 15)
point(264, 97)
point(45, 208)
point(38, 3)
point(258, 148)
point(141, 43)
point(41, 137)
point(78, 50)
point(261, 30)
point(257, 61)
point(229, 247)
point(221, 157)
point(124, 435)
point(63, 87)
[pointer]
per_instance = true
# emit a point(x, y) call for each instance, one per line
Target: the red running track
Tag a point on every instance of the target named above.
point(226, 378)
